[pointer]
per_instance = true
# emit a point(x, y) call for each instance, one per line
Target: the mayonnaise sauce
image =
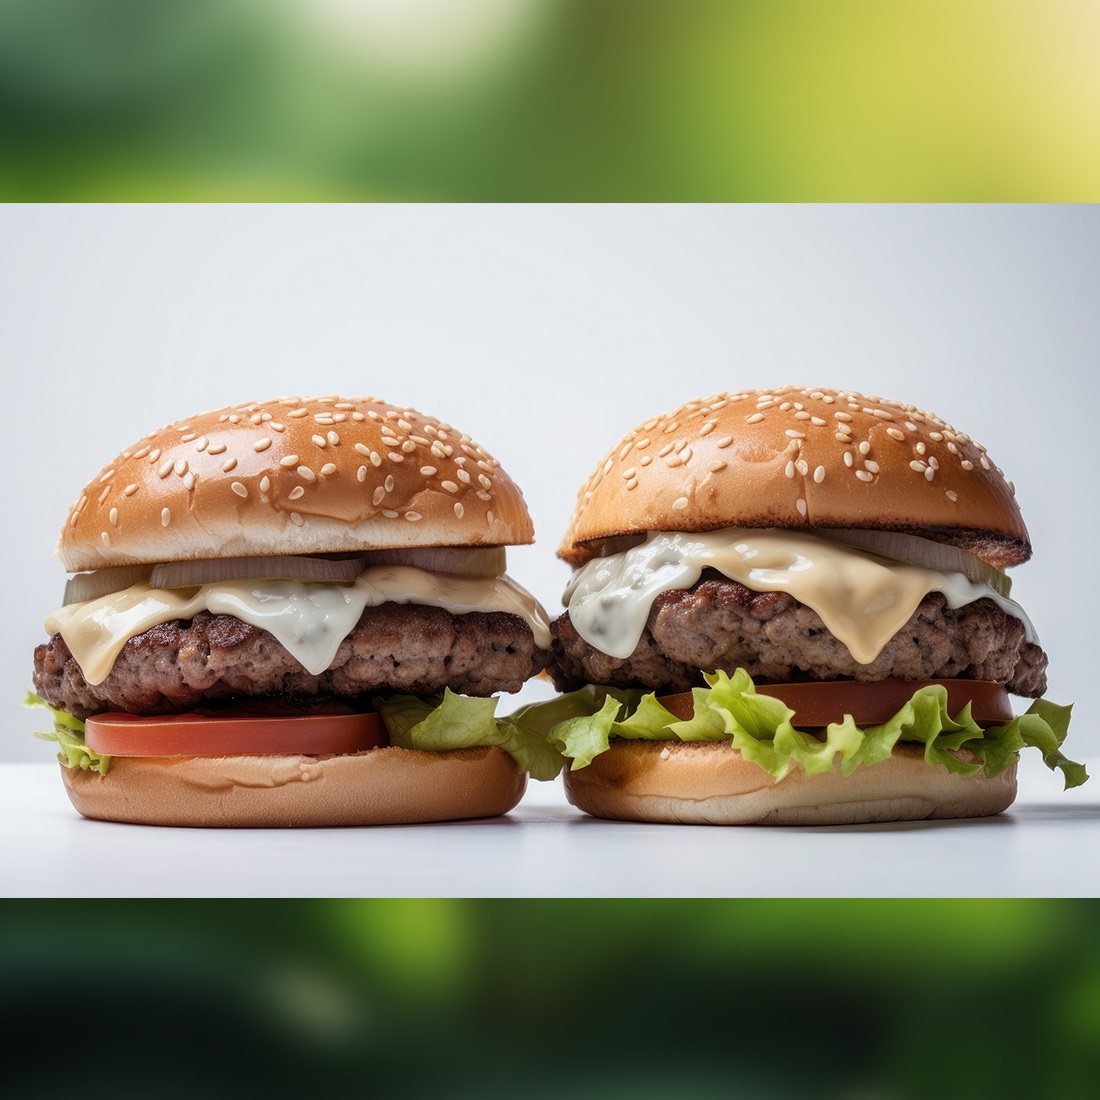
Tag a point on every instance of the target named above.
point(863, 599)
point(309, 619)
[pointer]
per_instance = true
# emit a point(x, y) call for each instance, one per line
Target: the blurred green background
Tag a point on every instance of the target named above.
point(859, 1001)
point(715, 100)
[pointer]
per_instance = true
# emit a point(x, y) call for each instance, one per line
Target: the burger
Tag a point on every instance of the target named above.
point(790, 606)
point(294, 613)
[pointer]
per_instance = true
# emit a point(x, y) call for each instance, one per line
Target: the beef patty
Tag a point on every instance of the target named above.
point(720, 624)
point(394, 647)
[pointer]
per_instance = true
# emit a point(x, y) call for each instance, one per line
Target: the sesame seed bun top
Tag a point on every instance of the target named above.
point(293, 476)
point(803, 458)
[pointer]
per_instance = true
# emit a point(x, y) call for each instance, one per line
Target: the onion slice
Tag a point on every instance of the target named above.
point(914, 550)
point(186, 574)
point(466, 561)
point(83, 587)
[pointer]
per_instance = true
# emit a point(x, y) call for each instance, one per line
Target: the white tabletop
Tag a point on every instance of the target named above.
point(1047, 845)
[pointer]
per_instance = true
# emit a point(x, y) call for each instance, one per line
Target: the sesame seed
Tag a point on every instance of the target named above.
point(265, 483)
point(794, 435)
point(262, 444)
point(379, 496)
point(951, 495)
point(375, 459)
point(482, 495)
point(918, 466)
point(715, 466)
point(882, 414)
point(188, 437)
point(180, 467)
point(361, 474)
point(632, 483)
point(488, 517)
point(389, 513)
point(439, 450)
point(819, 474)
point(288, 460)
point(967, 464)
point(937, 436)
point(450, 486)
point(427, 471)
point(802, 466)
point(921, 448)
point(129, 490)
point(275, 426)
point(641, 444)
point(484, 482)
point(895, 433)
point(725, 441)
point(104, 495)
point(680, 503)
point(646, 460)
point(165, 469)
point(459, 509)
point(165, 516)
point(666, 449)
point(708, 427)
point(112, 516)
point(389, 483)
point(239, 489)
point(628, 474)
point(395, 456)
point(755, 418)
point(362, 450)
point(319, 440)
point(333, 438)
point(929, 473)
point(872, 466)
point(299, 491)
point(155, 454)
point(817, 421)
point(463, 476)
point(106, 539)
point(306, 472)
point(985, 463)
point(865, 448)
point(864, 475)
point(228, 465)
point(295, 518)
point(842, 416)
point(213, 449)
point(800, 504)
point(189, 481)
point(328, 469)
point(802, 416)
point(789, 471)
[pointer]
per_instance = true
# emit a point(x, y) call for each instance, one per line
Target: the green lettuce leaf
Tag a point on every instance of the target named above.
point(68, 732)
point(444, 722)
point(759, 726)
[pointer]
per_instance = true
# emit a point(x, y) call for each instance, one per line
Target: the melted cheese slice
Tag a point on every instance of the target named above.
point(864, 600)
point(309, 619)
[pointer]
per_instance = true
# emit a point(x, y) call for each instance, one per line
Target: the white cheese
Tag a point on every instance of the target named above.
point(863, 599)
point(309, 619)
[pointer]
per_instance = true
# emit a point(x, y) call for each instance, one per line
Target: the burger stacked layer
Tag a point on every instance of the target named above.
point(295, 612)
point(749, 546)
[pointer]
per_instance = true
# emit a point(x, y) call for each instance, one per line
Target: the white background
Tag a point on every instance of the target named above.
point(547, 333)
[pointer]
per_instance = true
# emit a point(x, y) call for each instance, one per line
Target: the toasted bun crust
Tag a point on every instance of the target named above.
point(293, 476)
point(800, 457)
point(387, 786)
point(713, 784)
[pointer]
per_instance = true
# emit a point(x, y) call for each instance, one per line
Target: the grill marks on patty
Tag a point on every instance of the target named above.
point(406, 648)
point(720, 624)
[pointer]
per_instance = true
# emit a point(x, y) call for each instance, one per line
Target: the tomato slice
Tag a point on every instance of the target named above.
point(816, 705)
point(233, 735)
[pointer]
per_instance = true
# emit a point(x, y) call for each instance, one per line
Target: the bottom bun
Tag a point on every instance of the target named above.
point(386, 786)
point(713, 784)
